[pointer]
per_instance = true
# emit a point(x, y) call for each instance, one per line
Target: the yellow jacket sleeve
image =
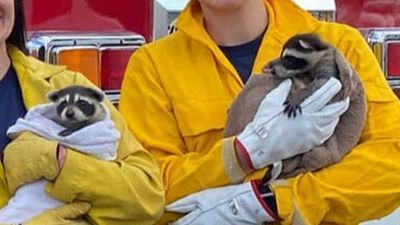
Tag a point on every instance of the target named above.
point(366, 183)
point(150, 116)
point(126, 191)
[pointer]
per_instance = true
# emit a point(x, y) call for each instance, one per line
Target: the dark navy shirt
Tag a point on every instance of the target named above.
point(242, 56)
point(11, 104)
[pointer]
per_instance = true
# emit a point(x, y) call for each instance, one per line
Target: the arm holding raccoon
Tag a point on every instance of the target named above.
point(180, 165)
point(261, 140)
point(243, 204)
point(365, 184)
point(133, 178)
point(309, 62)
point(134, 173)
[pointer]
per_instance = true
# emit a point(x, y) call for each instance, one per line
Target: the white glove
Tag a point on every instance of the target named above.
point(272, 136)
point(235, 204)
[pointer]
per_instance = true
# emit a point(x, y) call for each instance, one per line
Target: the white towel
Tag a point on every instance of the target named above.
point(99, 140)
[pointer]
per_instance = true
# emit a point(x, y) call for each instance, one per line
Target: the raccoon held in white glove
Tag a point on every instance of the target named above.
point(309, 63)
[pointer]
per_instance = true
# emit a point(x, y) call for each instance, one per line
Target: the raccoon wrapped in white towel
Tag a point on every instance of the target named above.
point(87, 128)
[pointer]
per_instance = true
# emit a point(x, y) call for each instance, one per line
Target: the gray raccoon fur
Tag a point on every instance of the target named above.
point(348, 130)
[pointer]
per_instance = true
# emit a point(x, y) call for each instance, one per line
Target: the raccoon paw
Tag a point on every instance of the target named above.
point(65, 133)
point(291, 109)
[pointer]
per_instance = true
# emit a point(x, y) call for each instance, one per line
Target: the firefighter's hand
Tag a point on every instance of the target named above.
point(272, 136)
point(70, 214)
point(30, 157)
point(234, 204)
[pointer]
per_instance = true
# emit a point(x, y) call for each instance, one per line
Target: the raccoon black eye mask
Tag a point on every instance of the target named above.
point(309, 62)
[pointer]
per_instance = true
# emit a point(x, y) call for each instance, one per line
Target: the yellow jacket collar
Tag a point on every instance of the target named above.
point(280, 28)
point(191, 20)
point(23, 63)
point(33, 76)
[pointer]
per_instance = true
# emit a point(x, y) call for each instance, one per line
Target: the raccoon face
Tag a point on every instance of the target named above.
point(299, 55)
point(76, 104)
point(75, 108)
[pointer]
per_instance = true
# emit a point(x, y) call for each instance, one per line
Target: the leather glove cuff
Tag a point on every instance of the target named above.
point(266, 198)
point(30, 158)
point(243, 157)
point(251, 145)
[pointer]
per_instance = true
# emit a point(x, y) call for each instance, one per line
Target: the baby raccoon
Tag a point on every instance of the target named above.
point(77, 107)
point(309, 62)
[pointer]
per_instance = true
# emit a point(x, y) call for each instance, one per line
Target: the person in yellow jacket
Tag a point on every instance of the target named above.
point(125, 191)
point(175, 97)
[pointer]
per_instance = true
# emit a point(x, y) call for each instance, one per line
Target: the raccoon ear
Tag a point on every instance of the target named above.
point(98, 95)
point(53, 96)
point(305, 45)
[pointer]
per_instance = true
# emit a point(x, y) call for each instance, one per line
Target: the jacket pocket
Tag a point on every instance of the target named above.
point(383, 114)
point(195, 117)
point(375, 93)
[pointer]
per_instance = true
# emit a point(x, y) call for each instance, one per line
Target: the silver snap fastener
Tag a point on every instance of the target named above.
point(261, 132)
point(234, 207)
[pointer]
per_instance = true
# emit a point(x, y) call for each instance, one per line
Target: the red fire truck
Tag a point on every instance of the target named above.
point(97, 37)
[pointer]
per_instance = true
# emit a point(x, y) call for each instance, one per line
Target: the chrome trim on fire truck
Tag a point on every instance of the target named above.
point(113, 95)
point(379, 39)
point(119, 47)
point(46, 45)
point(394, 83)
point(41, 44)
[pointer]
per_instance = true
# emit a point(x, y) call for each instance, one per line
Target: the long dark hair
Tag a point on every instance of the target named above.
point(17, 36)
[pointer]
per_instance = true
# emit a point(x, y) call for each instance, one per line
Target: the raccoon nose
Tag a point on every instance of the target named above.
point(69, 114)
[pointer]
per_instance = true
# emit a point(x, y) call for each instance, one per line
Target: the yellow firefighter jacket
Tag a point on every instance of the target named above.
point(175, 98)
point(128, 191)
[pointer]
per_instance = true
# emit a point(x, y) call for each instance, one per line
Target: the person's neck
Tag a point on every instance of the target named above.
point(230, 28)
point(4, 61)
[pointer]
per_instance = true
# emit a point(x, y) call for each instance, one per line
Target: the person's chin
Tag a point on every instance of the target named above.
point(224, 5)
point(229, 7)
